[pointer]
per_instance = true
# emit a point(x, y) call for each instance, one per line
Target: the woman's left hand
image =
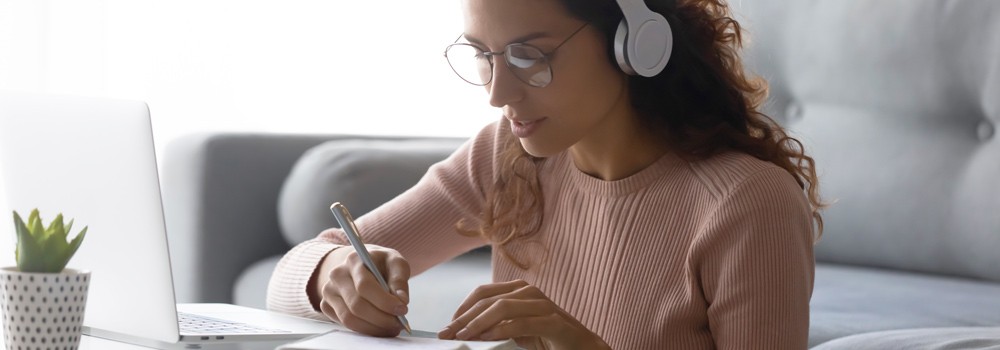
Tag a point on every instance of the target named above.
point(517, 310)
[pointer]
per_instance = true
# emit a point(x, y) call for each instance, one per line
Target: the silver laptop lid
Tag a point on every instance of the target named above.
point(93, 161)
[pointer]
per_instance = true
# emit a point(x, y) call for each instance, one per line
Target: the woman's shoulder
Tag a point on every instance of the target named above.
point(488, 141)
point(724, 173)
point(481, 148)
point(475, 160)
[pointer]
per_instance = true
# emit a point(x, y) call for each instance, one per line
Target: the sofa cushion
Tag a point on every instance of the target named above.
point(250, 289)
point(852, 300)
point(899, 103)
point(361, 173)
point(970, 338)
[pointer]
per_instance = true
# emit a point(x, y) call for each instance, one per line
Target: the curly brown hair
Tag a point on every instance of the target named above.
point(703, 102)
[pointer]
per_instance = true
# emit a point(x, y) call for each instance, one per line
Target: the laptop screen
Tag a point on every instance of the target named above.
point(93, 161)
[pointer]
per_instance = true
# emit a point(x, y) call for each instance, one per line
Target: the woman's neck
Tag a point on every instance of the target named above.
point(621, 147)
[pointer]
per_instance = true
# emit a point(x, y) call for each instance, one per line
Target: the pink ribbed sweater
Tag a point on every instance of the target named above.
point(714, 254)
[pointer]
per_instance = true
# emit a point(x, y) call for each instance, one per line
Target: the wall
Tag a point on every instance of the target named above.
point(299, 66)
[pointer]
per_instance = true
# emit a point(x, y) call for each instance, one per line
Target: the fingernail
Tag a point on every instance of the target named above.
point(463, 334)
point(403, 296)
point(446, 333)
point(400, 310)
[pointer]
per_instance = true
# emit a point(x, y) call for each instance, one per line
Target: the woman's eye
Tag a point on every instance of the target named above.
point(522, 63)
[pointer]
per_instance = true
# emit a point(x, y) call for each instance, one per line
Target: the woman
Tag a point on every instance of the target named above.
point(626, 212)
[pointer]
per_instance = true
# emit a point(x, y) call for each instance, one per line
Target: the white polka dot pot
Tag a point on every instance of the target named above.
point(43, 311)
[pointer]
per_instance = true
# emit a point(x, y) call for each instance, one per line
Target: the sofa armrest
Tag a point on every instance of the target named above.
point(220, 193)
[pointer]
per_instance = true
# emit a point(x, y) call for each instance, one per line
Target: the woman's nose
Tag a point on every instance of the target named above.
point(505, 88)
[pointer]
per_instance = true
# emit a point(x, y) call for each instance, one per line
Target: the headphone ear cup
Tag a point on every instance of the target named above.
point(653, 44)
point(621, 38)
point(643, 40)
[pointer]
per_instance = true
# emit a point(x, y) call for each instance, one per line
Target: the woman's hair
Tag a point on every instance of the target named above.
point(703, 102)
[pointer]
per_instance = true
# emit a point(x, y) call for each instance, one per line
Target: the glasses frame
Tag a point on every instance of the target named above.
point(546, 58)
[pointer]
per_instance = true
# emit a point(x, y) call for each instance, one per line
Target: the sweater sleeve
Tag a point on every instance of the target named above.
point(419, 223)
point(755, 260)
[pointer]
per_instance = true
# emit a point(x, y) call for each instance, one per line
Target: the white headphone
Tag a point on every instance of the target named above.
point(643, 41)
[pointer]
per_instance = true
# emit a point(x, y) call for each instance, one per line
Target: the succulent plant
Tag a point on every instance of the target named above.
point(41, 249)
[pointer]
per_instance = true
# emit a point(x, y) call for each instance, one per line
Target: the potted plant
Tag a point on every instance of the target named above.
point(42, 301)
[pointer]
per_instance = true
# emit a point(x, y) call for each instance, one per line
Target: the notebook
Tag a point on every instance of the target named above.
point(347, 340)
point(93, 160)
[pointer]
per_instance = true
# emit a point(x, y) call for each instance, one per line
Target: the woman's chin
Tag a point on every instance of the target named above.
point(540, 150)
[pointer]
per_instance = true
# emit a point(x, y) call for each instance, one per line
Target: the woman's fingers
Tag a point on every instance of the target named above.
point(347, 307)
point(399, 277)
point(361, 306)
point(520, 311)
point(354, 322)
point(487, 291)
point(356, 299)
point(496, 303)
point(502, 311)
point(367, 287)
point(327, 309)
point(534, 326)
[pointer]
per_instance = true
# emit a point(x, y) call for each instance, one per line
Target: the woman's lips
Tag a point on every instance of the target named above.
point(524, 128)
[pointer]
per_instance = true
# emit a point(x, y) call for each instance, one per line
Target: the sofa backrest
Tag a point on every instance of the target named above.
point(899, 102)
point(362, 173)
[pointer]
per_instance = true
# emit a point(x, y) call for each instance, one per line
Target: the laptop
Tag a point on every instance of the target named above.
point(93, 160)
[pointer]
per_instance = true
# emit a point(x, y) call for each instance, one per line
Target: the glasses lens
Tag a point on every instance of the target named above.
point(469, 63)
point(528, 64)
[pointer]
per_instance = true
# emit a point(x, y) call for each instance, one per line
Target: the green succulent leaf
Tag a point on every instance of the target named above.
point(69, 226)
point(23, 235)
point(55, 250)
point(32, 216)
point(42, 249)
point(73, 246)
point(29, 250)
point(35, 222)
point(56, 228)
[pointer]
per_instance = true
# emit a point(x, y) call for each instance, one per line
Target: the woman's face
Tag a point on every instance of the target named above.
point(586, 89)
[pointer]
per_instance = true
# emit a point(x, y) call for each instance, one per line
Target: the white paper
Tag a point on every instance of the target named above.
point(345, 340)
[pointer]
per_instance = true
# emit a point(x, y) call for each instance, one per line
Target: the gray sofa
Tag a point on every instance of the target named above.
point(898, 100)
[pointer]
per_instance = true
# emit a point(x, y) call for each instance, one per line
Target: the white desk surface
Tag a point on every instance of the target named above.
point(93, 343)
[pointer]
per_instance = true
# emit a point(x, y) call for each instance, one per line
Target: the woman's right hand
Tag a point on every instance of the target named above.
point(350, 294)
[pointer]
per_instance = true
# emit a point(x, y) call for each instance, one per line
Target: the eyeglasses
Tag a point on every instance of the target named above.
point(528, 63)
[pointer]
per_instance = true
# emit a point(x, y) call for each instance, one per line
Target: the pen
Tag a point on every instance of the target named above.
point(347, 223)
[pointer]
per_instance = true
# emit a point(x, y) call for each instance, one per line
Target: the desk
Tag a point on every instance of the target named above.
point(94, 343)
point(91, 343)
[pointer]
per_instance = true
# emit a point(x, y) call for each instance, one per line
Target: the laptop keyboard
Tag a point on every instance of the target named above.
point(197, 324)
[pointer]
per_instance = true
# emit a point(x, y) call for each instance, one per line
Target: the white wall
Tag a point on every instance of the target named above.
point(295, 66)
